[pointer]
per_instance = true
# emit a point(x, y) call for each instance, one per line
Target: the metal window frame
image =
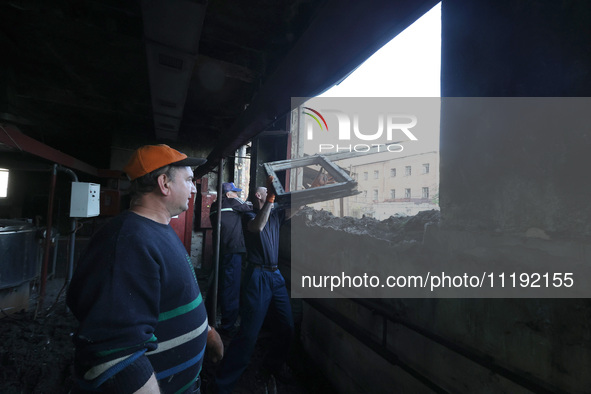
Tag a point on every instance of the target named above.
point(345, 186)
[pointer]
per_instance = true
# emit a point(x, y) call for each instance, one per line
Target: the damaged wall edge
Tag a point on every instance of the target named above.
point(312, 66)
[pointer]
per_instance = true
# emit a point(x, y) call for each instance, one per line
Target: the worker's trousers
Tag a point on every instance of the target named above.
point(229, 294)
point(263, 291)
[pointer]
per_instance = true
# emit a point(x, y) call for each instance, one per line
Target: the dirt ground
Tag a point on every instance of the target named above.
point(36, 353)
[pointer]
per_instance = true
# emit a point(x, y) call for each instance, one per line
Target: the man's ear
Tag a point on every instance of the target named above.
point(164, 184)
point(257, 195)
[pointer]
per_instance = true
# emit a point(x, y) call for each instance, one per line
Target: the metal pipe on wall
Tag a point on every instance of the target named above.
point(54, 261)
point(47, 238)
point(73, 225)
point(48, 235)
point(216, 259)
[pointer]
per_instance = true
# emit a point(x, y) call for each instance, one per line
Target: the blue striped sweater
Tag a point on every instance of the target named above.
point(140, 310)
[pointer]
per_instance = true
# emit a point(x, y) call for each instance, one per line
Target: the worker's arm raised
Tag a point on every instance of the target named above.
point(257, 224)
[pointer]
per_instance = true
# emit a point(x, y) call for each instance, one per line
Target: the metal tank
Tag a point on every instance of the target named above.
point(19, 253)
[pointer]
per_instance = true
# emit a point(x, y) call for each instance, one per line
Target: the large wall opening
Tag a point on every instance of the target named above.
point(404, 75)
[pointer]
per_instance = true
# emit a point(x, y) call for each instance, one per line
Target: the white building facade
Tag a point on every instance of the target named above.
point(399, 186)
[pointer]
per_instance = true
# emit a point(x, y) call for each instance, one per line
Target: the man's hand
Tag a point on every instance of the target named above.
point(215, 346)
point(270, 190)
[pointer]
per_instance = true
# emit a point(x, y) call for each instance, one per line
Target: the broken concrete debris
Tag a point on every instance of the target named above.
point(394, 229)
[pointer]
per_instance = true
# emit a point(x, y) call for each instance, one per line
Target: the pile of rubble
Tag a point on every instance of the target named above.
point(394, 229)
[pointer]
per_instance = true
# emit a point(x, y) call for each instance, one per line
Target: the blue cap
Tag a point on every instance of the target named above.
point(230, 187)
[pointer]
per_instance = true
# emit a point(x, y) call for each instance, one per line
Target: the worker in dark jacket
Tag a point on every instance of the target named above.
point(264, 297)
point(232, 249)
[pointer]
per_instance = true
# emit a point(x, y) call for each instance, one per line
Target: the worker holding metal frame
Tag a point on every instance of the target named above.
point(264, 293)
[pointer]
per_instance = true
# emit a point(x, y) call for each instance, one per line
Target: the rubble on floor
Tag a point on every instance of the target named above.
point(37, 352)
point(394, 229)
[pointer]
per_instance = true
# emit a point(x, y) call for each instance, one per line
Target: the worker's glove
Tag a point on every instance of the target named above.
point(270, 190)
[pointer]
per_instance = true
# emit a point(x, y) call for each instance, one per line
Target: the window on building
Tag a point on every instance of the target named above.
point(407, 170)
point(392, 194)
point(426, 168)
point(425, 192)
point(406, 193)
point(376, 175)
point(392, 172)
point(3, 182)
point(365, 176)
point(375, 195)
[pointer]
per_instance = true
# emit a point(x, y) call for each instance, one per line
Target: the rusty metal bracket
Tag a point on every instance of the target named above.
point(341, 185)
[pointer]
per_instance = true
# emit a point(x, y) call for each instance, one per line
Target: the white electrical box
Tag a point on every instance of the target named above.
point(85, 200)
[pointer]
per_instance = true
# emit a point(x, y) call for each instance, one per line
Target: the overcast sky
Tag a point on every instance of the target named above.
point(408, 66)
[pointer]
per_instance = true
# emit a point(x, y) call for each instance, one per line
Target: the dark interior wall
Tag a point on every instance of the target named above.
point(265, 149)
point(532, 173)
point(525, 48)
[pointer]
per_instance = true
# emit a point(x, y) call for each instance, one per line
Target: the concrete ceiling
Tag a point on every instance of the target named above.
point(82, 76)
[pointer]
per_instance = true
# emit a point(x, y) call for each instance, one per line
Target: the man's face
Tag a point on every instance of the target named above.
point(262, 191)
point(181, 187)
